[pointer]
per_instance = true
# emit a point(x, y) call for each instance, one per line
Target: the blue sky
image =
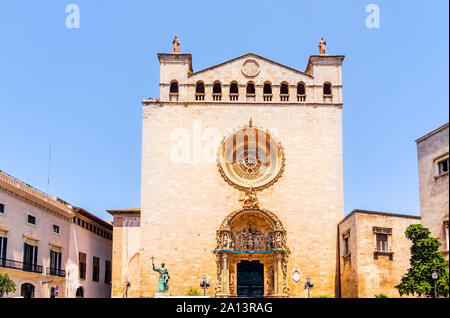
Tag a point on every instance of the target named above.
point(81, 89)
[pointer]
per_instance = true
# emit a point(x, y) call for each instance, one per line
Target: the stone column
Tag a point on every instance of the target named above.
point(226, 275)
point(279, 274)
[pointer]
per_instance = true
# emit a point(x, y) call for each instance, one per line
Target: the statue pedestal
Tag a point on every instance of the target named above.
point(161, 295)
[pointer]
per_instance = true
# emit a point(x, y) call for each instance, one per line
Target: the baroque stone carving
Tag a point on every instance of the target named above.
point(251, 230)
point(250, 200)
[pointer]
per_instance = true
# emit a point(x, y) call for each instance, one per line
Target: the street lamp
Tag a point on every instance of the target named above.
point(309, 284)
point(127, 285)
point(435, 276)
point(204, 284)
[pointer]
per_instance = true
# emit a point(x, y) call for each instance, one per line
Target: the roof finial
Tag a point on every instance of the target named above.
point(322, 47)
point(176, 45)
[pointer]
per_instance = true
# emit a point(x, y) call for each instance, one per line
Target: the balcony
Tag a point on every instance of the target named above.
point(234, 96)
point(217, 96)
point(56, 272)
point(199, 96)
point(284, 97)
point(301, 98)
point(26, 267)
point(267, 97)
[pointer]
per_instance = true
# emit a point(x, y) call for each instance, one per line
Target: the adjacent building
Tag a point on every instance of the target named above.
point(373, 252)
point(433, 162)
point(50, 248)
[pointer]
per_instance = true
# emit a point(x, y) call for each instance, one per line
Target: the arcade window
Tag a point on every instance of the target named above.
point(174, 87)
point(327, 88)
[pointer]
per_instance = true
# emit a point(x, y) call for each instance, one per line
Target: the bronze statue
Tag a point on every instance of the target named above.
point(322, 46)
point(163, 281)
point(176, 45)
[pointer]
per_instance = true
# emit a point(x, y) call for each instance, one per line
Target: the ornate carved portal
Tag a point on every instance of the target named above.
point(252, 234)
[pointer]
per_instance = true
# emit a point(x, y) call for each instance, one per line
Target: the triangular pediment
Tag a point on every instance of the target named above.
point(250, 67)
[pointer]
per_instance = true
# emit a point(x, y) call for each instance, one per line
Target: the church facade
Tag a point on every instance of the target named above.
point(242, 182)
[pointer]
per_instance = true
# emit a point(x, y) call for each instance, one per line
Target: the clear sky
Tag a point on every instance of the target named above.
point(81, 89)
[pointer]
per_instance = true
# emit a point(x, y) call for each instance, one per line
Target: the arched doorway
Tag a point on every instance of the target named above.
point(251, 255)
point(80, 292)
point(27, 290)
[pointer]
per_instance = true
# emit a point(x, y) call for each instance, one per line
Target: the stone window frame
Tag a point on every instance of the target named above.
point(330, 87)
point(346, 236)
point(436, 162)
point(177, 87)
point(28, 219)
point(386, 231)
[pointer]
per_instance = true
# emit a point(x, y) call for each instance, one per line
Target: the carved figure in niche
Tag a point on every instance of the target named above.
point(278, 240)
point(227, 241)
point(250, 243)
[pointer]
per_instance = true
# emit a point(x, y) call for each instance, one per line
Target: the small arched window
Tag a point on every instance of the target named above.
point(284, 89)
point(234, 88)
point(301, 88)
point(267, 88)
point(217, 88)
point(174, 87)
point(327, 88)
point(250, 88)
point(200, 88)
point(234, 91)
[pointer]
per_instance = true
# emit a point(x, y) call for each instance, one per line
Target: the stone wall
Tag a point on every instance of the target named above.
point(368, 274)
point(184, 199)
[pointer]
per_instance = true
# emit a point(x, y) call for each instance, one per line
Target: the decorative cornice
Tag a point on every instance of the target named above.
point(17, 187)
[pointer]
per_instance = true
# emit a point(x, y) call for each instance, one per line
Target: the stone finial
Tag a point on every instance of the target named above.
point(176, 45)
point(322, 47)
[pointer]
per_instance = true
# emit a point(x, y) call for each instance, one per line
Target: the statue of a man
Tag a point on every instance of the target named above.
point(163, 280)
point(176, 45)
point(322, 46)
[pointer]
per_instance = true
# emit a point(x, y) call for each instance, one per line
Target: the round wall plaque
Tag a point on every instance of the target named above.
point(250, 68)
point(250, 158)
